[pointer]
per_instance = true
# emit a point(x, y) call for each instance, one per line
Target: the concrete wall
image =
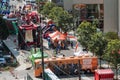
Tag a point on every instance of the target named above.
point(119, 18)
point(88, 1)
point(111, 15)
point(68, 4)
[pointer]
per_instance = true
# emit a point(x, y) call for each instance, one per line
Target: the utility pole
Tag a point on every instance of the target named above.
point(79, 67)
point(41, 41)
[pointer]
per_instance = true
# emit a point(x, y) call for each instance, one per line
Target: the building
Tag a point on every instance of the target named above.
point(112, 16)
point(85, 10)
point(107, 10)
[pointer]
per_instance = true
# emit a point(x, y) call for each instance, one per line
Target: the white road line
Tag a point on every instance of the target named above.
point(84, 77)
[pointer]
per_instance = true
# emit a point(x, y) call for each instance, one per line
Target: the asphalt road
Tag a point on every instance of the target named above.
point(68, 52)
point(20, 72)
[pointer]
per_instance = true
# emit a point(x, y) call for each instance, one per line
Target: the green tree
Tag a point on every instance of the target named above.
point(62, 18)
point(97, 44)
point(111, 36)
point(47, 8)
point(84, 31)
point(113, 53)
point(40, 4)
point(4, 33)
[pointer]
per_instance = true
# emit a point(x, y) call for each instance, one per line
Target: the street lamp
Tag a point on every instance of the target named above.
point(41, 42)
point(41, 49)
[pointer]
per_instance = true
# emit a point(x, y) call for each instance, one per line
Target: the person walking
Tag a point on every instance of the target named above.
point(71, 43)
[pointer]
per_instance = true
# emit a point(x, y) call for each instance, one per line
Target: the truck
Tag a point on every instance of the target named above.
point(67, 65)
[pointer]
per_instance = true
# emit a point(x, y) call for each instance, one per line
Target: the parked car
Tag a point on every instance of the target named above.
point(2, 61)
point(7, 58)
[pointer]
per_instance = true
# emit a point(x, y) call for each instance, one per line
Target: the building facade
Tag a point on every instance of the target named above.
point(85, 10)
point(107, 10)
point(111, 16)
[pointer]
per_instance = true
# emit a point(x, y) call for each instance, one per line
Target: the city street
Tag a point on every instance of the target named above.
point(20, 72)
point(61, 35)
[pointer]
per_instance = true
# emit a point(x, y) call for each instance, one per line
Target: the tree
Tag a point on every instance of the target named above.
point(47, 8)
point(62, 18)
point(97, 44)
point(4, 33)
point(113, 53)
point(84, 31)
point(111, 36)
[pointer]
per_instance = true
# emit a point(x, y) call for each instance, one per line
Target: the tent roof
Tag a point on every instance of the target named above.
point(54, 34)
point(39, 55)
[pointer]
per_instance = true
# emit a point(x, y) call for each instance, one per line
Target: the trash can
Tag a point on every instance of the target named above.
point(104, 74)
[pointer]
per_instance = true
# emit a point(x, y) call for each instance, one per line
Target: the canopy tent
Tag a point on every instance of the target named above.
point(57, 35)
point(33, 15)
point(61, 36)
point(71, 38)
point(54, 34)
point(37, 55)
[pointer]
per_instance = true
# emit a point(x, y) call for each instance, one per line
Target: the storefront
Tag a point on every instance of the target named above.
point(89, 12)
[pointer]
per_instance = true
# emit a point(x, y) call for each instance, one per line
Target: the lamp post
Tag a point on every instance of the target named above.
point(41, 42)
point(41, 49)
point(79, 67)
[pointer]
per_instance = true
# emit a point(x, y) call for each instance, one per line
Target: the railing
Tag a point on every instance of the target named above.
point(28, 77)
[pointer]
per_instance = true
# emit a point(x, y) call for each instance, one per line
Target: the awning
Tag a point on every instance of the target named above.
point(59, 36)
point(54, 34)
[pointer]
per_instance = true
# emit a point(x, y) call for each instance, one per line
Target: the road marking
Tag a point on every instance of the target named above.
point(84, 77)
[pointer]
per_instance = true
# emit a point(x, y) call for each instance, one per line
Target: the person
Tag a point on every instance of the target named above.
point(49, 43)
point(59, 46)
point(71, 44)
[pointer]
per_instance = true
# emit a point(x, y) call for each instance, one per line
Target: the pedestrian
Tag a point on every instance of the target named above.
point(59, 46)
point(71, 44)
point(49, 42)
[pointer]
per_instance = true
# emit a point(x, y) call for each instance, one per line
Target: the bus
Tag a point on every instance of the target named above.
point(66, 65)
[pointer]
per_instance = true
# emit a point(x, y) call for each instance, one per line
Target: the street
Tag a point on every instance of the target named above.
point(20, 72)
point(26, 67)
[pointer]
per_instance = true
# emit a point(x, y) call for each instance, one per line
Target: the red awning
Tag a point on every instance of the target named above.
point(28, 27)
point(55, 34)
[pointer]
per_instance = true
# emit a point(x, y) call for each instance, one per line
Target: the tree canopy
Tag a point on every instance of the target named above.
point(47, 8)
point(112, 53)
point(84, 31)
point(97, 43)
point(111, 36)
point(61, 18)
